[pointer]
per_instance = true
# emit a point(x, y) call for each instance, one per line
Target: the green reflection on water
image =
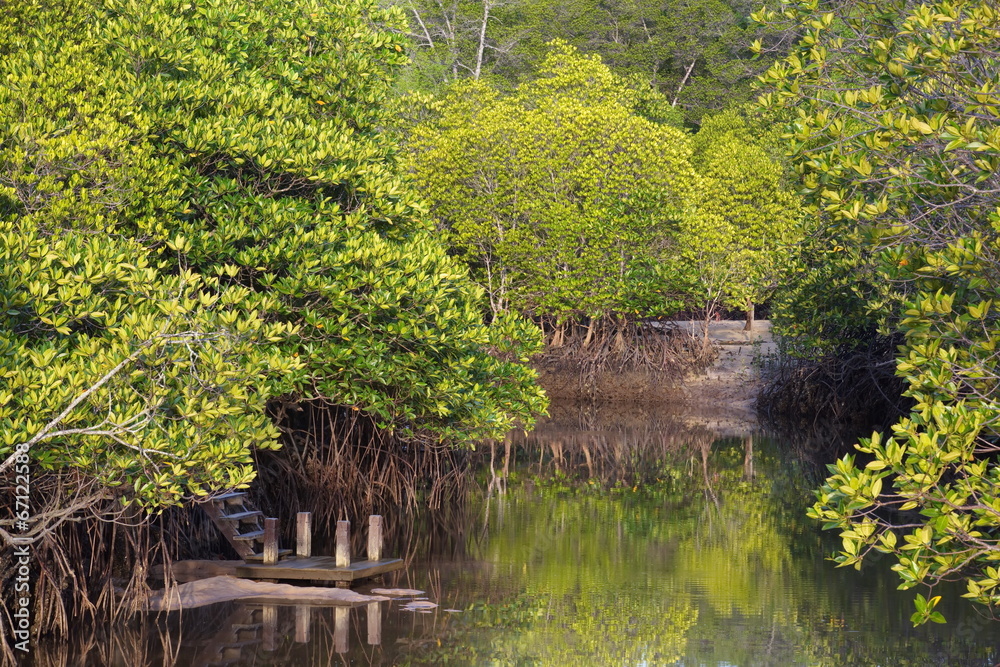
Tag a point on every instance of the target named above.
point(641, 541)
point(711, 562)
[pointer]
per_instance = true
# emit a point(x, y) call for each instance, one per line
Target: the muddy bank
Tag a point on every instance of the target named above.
point(723, 392)
point(568, 382)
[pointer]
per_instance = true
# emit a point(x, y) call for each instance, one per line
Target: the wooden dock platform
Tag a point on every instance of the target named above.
point(319, 568)
point(244, 526)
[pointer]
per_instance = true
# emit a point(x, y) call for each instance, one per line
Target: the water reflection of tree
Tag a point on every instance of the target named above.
point(628, 446)
point(732, 571)
point(132, 644)
point(732, 574)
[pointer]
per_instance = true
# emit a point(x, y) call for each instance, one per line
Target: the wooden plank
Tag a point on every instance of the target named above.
point(270, 622)
point(374, 624)
point(303, 534)
point(270, 541)
point(214, 512)
point(343, 543)
point(253, 534)
point(320, 568)
point(238, 516)
point(341, 626)
point(375, 537)
point(369, 567)
point(229, 497)
point(321, 562)
point(258, 558)
point(293, 600)
point(303, 618)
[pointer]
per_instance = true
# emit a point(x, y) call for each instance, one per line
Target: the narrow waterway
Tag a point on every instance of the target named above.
point(626, 537)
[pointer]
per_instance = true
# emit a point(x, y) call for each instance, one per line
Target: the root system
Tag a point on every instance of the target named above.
point(651, 355)
point(856, 388)
point(91, 566)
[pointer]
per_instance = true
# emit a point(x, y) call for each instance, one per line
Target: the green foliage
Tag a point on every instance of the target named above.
point(696, 53)
point(163, 374)
point(202, 196)
point(936, 459)
point(569, 204)
point(735, 245)
point(706, 566)
point(822, 305)
point(897, 142)
point(561, 197)
point(147, 381)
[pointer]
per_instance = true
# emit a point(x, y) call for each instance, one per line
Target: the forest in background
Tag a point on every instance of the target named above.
point(575, 202)
point(698, 54)
point(215, 216)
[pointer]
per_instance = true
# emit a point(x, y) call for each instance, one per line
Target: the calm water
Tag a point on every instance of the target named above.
point(617, 539)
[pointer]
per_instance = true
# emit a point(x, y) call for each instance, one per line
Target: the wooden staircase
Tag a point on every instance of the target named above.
point(236, 642)
point(241, 524)
point(255, 539)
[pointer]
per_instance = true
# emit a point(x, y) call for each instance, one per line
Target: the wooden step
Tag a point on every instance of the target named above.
point(232, 653)
point(245, 626)
point(230, 497)
point(259, 558)
point(241, 523)
point(240, 516)
point(248, 537)
point(237, 503)
point(243, 643)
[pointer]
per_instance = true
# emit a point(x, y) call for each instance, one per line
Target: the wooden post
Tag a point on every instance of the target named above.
point(270, 622)
point(341, 625)
point(270, 541)
point(303, 534)
point(374, 624)
point(303, 617)
point(343, 544)
point(375, 537)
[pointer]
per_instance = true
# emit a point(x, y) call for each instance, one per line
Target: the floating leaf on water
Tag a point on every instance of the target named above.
point(397, 592)
point(418, 605)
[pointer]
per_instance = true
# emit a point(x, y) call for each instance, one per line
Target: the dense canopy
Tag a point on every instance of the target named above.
point(201, 199)
point(575, 198)
point(897, 142)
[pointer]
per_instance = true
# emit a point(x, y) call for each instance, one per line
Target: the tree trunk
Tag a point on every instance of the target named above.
point(557, 336)
point(619, 344)
point(590, 333)
point(427, 34)
point(709, 314)
point(487, 4)
point(683, 81)
point(750, 316)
